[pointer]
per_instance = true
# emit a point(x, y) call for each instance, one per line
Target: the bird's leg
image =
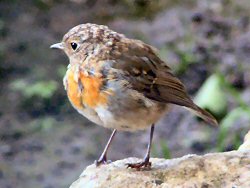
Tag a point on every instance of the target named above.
point(145, 163)
point(103, 157)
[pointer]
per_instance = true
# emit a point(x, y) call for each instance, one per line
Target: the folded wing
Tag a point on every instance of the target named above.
point(149, 75)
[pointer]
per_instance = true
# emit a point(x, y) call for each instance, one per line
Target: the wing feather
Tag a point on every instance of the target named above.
point(149, 75)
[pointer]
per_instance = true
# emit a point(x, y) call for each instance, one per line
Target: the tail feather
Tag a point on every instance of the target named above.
point(206, 116)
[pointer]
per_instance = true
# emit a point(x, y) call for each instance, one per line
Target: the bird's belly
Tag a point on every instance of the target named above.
point(128, 112)
point(129, 121)
point(91, 115)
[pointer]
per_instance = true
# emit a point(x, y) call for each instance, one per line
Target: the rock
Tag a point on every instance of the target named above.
point(246, 145)
point(229, 169)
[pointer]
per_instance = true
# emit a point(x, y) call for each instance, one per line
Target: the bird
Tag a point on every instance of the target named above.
point(120, 83)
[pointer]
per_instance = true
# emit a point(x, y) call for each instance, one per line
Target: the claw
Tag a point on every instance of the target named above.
point(102, 161)
point(98, 163)
point(141, 165)
point(145, 164)
point(103, 157)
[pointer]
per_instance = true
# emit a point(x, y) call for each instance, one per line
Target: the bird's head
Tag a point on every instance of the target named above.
point(85, 39)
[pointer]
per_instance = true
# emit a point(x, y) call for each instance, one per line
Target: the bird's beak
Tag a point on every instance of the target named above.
point(57, 46)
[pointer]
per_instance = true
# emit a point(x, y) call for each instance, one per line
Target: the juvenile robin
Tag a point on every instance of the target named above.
point(120, 83)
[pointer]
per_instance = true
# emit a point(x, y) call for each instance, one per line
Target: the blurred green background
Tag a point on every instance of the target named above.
point(45, 143)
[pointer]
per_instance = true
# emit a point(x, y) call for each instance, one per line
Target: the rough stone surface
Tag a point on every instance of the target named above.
point(246, 145)
point(229, 169)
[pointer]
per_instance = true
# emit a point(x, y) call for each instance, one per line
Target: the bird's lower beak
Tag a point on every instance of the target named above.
point(58, 46)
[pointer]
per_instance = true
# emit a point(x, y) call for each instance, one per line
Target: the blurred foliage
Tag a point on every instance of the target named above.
point(186, 58)
point(61, 71)
point(142, 8)
point(2, 46)
point(127, 8)
point(43, 4)
point(161, 149)
point(227, 124)
point(212, 97)
point(165, 149)
point(43, 124)
point(40, 98)
point(2, 50)
point(43, 89)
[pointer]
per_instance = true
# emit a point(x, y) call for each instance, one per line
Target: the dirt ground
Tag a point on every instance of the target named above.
point(45, 143)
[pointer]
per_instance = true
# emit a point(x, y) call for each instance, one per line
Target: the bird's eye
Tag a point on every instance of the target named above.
point(73, 45)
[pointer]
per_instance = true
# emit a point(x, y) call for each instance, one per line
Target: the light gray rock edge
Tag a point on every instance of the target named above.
point(229, 169)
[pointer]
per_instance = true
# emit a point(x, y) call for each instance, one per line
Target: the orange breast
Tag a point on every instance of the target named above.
point(91, 94)
point(73, 92)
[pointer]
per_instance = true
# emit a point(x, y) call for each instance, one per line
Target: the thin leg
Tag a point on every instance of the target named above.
point(103, 157)
point(145, 162)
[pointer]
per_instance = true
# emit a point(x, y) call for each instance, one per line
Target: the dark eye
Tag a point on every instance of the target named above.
point(73, 45)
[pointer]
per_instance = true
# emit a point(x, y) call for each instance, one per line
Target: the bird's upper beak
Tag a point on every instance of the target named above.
point(57, 45)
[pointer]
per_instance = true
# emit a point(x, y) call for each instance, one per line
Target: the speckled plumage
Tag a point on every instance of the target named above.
point(120, 83)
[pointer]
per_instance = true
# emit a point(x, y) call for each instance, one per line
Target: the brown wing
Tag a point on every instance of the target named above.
point(149, 75)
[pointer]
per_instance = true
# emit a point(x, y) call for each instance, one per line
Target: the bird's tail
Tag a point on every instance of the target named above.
point(206, 116)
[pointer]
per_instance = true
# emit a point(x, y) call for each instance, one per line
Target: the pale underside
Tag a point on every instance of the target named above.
point(124, 117)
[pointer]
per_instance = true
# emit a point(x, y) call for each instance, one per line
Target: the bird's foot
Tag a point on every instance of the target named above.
point(102, 160)
point(145, 164)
